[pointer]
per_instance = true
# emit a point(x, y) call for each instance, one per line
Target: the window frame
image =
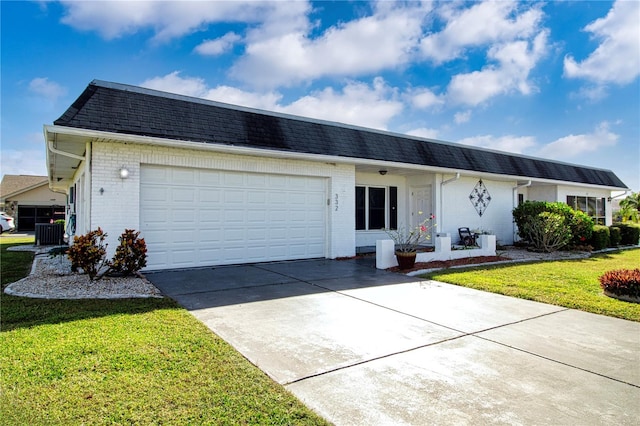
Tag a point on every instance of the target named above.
point(363, 207)
point(594, 207)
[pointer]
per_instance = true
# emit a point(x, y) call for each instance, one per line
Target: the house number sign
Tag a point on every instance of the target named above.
point(335, 202)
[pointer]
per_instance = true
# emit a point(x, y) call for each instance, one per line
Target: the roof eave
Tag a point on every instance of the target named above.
point(98, 136)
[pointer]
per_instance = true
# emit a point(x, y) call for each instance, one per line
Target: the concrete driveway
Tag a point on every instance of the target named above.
point(367, 347)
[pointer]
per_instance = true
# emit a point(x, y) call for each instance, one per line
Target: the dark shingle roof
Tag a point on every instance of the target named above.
point(127, 109)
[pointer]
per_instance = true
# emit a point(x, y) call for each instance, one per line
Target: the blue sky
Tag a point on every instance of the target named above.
point(556, 80)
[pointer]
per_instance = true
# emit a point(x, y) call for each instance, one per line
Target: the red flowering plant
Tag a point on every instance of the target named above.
point(407, 240)
point(131, 254)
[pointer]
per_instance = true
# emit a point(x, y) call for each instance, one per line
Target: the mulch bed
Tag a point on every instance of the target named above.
point(439, 264)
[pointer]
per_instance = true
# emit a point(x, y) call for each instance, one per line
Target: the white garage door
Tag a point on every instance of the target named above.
point(197, 217)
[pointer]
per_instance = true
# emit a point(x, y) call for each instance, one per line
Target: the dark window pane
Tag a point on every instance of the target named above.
point(393, 207)
point(581, 204)
point(360, 208)
point(521, 199)
point(571, 200)
point(601, 210)
point(376, 208)
point(591, 206)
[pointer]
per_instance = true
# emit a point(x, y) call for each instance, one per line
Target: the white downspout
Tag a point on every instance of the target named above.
point(440, 220)
point(514, 198)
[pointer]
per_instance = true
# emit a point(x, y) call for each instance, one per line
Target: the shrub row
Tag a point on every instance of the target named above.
point(89, 252)
point(615, 235)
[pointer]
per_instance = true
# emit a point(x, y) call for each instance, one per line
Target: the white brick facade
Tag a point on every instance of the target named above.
point(117, 206)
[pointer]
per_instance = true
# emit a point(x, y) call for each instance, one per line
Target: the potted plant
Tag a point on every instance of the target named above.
point(407, 240)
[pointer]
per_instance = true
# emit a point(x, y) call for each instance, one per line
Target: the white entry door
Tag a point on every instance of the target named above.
point(421, 204)
point(196, 217)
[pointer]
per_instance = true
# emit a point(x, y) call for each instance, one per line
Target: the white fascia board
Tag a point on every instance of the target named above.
point(98, 136)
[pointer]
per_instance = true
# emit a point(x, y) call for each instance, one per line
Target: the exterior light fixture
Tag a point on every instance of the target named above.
point(124, 173)
point(382, 172)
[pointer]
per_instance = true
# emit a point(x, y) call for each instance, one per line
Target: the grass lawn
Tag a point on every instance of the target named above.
point(570, 283)
point(134, 361)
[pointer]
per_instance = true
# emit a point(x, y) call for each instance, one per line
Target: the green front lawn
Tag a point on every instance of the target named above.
point(570, 283)
point(136, 361)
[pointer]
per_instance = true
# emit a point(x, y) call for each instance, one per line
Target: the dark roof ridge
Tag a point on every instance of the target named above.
point(187, 98)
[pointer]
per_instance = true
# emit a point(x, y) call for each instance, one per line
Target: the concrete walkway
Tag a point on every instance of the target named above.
point(367, 347)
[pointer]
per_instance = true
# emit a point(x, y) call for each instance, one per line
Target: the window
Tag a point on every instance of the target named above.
point(376, 207)
point(592, 206)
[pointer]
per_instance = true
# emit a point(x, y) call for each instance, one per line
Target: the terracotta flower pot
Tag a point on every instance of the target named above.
point(406, 260)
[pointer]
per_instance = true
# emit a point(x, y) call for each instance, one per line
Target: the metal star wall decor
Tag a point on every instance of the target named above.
point(480, 197)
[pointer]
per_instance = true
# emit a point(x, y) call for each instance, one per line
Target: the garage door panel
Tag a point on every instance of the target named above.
point(183, 176)
point(212, 196)
point(192, 217)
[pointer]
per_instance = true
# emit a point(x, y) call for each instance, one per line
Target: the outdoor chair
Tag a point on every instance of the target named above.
point(467, 238)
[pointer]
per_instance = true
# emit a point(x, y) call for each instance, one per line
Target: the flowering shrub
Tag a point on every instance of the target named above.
point(580, 225)
point(622, 282)
point(407, 240)
point(131, 253)
point(549, 232)
point(89, 252)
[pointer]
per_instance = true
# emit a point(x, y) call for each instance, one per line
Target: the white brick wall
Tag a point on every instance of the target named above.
point(458, 211)
point(117, 207)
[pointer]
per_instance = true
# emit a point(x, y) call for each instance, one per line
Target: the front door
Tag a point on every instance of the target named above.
point(421, 205)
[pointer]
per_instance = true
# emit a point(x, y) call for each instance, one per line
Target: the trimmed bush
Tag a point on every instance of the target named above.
point(131, 254)
point(629, 233)
point(614, 236)
point(89, 252)
point(622, 282)
point(600, 237)
point(580, 225)
point(549, 232)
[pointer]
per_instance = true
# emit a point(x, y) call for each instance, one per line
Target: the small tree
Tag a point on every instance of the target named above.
point(630, 208)
point(131, 253)
point(89, 252)
point(549, 231)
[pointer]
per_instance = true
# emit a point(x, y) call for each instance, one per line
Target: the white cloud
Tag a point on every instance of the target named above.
point(424, 132)
point(483, 23)
point(425, 98)
point(383, 40)
point(617, 58)
point(167, 19)
point(50, 90)
point(356, 103)
point(23, 162)
point(510, 72)
point(508, 143)
point(173, 83)
point(574, 145)
point(462, 117)
point(218, 46)
point(196, 87)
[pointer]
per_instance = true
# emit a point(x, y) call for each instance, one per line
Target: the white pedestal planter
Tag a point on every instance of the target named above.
point(385, 251)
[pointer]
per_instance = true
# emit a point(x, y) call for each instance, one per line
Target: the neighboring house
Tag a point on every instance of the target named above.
point(209, 183)
point(29, 200)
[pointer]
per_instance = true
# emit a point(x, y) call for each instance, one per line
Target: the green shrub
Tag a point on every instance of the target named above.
point(89, 252)
point(614, 236)
point(622, 282)
point(580, 225)
point(131, 253)
point(629, 233)
point(549, 231)
point(600, 237)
